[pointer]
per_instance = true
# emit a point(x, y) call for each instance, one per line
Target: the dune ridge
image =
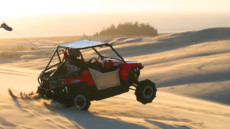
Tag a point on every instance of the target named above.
point(191, 70)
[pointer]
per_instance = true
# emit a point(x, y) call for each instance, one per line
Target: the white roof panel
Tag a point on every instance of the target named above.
point(81, 44)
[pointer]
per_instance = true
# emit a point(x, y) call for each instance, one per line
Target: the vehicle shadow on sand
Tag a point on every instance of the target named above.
point(166, 126)
point(88, 120)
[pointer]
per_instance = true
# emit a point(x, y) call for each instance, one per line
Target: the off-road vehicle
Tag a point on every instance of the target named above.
point(82, 71)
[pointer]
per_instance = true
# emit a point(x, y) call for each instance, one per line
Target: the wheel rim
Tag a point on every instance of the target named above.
point(148, 92)
point(79, 102)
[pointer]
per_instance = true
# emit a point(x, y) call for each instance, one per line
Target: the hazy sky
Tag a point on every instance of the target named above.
point(19, 8)
point(70, 17)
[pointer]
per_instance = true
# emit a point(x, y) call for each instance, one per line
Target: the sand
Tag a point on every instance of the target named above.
point(191, 70)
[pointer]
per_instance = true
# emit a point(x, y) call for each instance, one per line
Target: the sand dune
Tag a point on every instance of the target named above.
point(191, 70)
point(123, 111)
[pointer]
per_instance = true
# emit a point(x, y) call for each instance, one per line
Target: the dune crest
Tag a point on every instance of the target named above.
point(191, 70)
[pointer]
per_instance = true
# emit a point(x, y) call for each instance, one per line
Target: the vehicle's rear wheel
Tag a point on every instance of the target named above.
point(40, 92)
point(43, 94)
point(145, 91)
point(81, 101)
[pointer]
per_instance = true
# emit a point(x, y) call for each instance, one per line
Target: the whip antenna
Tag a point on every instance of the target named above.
point(8, 28)
point(40, 52)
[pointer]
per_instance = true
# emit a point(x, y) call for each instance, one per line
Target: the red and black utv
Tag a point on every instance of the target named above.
point(82, 71)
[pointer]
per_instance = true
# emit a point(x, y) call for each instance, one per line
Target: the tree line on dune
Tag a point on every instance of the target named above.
point(129, 29)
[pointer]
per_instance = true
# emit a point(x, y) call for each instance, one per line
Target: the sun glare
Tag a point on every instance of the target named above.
point(89, 16)
point(14, 8)
point(20, 8)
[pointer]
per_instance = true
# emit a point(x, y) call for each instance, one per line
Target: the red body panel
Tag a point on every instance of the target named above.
point(126, 68)
point(84, 78)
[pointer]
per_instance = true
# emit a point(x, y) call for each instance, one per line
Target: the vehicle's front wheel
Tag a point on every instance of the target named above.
point(145, 91)
point(81, 101)
point(133, 76)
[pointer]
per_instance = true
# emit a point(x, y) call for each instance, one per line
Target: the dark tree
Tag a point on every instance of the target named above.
point(129, 29)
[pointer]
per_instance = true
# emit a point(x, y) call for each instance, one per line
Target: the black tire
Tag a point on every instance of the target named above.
point(133, 76)
point(40, 92)
point(81, 101)
point(43, 94)
point(145, 91)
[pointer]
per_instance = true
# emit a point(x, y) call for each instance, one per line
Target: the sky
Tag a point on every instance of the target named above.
point(20, 8)
point(51, 14)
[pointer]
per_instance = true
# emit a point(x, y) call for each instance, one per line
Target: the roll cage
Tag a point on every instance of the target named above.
point(78, 45)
